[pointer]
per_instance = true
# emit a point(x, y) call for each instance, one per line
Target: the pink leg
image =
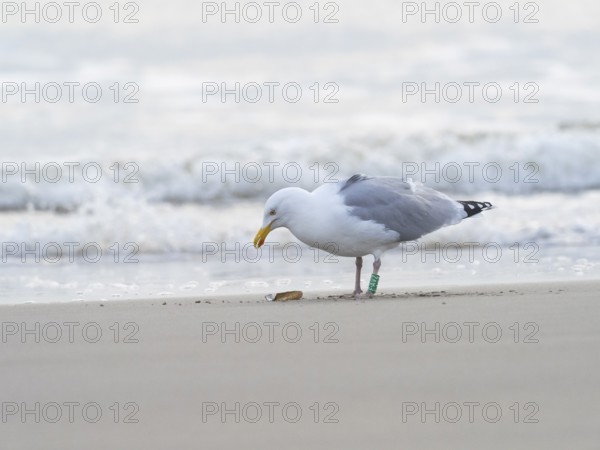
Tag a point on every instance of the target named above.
point(376, 266)
point(357, 289)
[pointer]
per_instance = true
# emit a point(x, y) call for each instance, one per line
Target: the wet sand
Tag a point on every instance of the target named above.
point(494, 367)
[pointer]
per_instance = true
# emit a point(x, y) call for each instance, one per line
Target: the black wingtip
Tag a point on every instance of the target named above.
point(472, 208)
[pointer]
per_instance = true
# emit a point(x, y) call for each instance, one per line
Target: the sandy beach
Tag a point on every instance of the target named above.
point(166, 165)
point(493, 366)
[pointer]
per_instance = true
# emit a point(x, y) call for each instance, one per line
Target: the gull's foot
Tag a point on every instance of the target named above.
point(355, 294)
point(358, 295)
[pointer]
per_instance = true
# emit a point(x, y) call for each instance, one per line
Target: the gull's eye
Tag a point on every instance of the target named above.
point(272, 212)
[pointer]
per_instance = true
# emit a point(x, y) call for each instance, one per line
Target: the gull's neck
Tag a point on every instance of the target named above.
point(308, 216)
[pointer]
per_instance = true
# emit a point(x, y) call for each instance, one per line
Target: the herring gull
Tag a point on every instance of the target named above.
point(363, 216)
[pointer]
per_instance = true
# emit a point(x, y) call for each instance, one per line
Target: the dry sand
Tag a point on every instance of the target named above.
point(364, 371)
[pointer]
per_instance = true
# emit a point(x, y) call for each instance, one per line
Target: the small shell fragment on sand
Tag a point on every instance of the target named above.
point(284, 296)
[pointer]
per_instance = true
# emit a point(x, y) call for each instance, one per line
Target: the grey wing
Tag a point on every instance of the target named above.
point(410, 209)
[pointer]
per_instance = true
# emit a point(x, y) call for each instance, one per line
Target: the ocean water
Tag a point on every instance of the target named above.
point(161, 175)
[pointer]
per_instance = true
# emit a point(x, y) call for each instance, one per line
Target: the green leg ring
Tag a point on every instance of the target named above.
point(373, 282)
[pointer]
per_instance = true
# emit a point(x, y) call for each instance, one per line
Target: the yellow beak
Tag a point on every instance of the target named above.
point(260, 237)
